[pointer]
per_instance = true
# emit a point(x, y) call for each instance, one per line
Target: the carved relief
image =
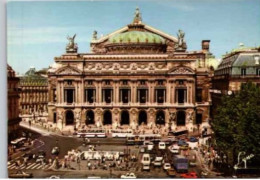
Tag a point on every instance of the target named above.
point(68, 70)
point(182, 70)
point(190, 115)
point(99, 66)
point(133, 66)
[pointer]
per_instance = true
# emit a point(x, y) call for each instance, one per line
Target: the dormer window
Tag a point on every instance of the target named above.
point(256, 57)
point(243, 71)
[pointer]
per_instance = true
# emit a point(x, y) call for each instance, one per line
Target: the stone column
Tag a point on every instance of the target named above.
point(173, 92)
point(116, 117)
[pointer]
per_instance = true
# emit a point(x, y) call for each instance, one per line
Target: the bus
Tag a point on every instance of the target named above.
point(150, 137)
point(139, 139)
point(18, 142)
point(92, 133)
point(121, 133)
point(178, 133)
point(180, 163)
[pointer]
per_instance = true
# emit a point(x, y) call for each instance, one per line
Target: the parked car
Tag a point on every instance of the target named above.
point(193, 163)
point(158, 161)
point(192, 175)
point(55, 151)
point(142, 149)
point(146, 159)
point(171, 172)
point(20, 174)
point(129, 176)
point(150, 146)
point(146, 167)
point(175, 149)
point(193, 139)
point(166, 166)
point(28, 156)
point(162, 145)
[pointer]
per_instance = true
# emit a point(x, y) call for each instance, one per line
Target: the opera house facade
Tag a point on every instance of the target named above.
point(134, 76)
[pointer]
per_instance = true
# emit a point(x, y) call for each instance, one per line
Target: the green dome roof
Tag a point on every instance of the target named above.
point(137, 37)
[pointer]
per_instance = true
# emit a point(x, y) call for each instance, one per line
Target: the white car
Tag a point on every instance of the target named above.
point(162, 145)
point(146, 159)
point(146, 167)
point(129, 176)
point(174, 149)
point(166, 166)
point(150, 146)
point(158, 161)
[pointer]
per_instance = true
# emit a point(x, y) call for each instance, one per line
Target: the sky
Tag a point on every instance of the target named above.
point(37, 30)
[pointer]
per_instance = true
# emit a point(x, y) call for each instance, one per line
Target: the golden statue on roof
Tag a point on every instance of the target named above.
point(137, 18)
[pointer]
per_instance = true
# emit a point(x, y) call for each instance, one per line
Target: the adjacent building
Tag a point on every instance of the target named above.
point(137, 75)
point(239, 66)
point(13, 103)
point(34, 93)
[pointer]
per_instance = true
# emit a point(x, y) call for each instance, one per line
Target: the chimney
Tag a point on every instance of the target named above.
point(205, 45)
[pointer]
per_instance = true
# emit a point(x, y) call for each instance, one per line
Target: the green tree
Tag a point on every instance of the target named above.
point(237, 123)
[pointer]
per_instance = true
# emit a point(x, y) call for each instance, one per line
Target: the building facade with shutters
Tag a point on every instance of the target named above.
point(137, 75)
point(34, 94)
point(239, 66)
point(13, 103)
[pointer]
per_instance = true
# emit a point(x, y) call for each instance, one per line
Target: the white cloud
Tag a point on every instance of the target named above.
point(42, 35)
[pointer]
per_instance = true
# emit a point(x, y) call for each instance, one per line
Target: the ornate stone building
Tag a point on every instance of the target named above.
point(34, 93)
point(13, 103)
point(135, 75)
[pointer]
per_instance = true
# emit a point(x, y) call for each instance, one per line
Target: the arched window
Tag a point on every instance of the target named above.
point(142, 117)
point(181, 116)
point(90, 117)
point(125, 118)
point(160, 117)
point(107, 117)
point(69, 118)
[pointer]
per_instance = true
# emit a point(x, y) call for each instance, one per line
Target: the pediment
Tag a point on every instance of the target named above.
point(181, 70)
point(68, 70)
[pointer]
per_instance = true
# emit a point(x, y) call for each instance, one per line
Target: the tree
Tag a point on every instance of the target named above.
point(237, 123)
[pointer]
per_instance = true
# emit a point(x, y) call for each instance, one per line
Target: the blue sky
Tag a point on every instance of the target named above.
point(37, 31)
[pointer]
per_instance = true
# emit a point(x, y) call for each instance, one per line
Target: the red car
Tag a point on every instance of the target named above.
point(189, 175)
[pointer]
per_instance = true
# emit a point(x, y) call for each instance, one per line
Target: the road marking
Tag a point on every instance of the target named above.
point(23, 167)
point(46, 166)
point(11, 165)
point(34, 167)
point(30, 166)
point(40, 166)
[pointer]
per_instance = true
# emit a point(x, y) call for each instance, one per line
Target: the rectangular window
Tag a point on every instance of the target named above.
point(54, 118)
point(69, 95)
point(90, 95)
point(107, 95)
point(199, 95)
point(243, 71)
point(125, 95)
point(181, 96)
point(258, 72)
point(142, 95)
point(160, 95)
point(54, 95)
point(198, 118)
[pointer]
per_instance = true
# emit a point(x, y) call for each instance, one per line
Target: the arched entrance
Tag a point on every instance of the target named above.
point(142, 118)
point(124, 118)
point(181, 116)
point(90, 117)
point(160, 117)
point(69, 118)
point(107, 117)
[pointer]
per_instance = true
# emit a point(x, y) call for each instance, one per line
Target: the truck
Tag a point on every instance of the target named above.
point(180, 163)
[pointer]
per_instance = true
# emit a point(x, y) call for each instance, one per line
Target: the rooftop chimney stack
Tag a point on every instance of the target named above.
point(205, 45)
